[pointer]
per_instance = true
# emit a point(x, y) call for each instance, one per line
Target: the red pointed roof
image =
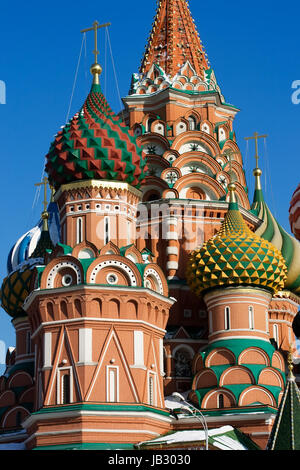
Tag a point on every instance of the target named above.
point(174, 40)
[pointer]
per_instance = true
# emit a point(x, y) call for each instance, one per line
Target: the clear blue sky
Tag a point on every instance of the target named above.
point(253, 48)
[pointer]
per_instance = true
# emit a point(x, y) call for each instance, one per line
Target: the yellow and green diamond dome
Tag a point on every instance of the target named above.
point(236, 256)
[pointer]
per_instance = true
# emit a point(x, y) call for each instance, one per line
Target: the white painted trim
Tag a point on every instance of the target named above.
point(81, 430)
point(59, 390)
point(172, 250)
point(113, 335)
point(138, 348)
point(101, 288)
point(47, 349)
point(74, 414)
point(85, 340)
point(112, 391)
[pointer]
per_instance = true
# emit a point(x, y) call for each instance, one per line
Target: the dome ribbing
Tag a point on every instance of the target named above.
point(95, 144)
point(236, 256)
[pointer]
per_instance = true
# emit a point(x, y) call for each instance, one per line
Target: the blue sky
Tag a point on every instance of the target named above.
point(253, 49)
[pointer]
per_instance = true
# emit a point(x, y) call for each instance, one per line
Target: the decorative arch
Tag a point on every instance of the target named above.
point(9, 419)
point(236, 375)
point(59, 267)
point(213, 190)
point(220, 356)
point(197, 136)
point(206, 378)
point(156, 278)
point(114, 263)
point(85, 249)
point(254, 394)
point(254, 355)
point(277, 361)
point(270, 376)
point(203, 158)
point(19, 379)
point(198, 364)
point(210, 400)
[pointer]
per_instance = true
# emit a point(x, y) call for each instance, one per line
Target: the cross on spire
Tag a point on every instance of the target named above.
point(95, 28)
point(44, 183)
point(256, 137)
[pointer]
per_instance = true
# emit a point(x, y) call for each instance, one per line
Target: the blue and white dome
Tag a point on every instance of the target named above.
point(25, 246)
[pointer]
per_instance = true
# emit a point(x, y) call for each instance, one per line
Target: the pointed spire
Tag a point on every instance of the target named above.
point(174, 40)
point(285, 434)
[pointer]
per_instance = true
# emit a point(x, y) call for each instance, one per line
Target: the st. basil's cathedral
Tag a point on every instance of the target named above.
point(153, 275)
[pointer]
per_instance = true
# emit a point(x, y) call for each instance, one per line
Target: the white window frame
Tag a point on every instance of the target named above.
point(79, 230)
point(47, 349)
point(251, 317)
point(112, 392)
point(227, 318)
point(106, 229)
point(138, 348)
point(59, 388)
point(152, 400)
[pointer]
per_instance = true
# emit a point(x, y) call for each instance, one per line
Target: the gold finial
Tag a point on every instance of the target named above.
point(290, 362)
point(257, 171)
point(44, 183)
point(256, 137)
point(96, 68)
point(45, 213)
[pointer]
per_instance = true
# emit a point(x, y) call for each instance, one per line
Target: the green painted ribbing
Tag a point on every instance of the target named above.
point(87, 446)
point(101, 407)
point(287, 246)
point(269, 232)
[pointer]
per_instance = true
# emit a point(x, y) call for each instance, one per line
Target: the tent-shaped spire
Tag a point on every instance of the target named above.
point(174, 40)
point(272, 231)
point(285, 434)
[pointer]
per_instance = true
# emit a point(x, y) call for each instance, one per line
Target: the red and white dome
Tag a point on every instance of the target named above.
point(295, 213)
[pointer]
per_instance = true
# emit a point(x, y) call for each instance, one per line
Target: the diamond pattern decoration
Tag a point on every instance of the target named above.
point(95, 144)
point(236, 256)
point(14, 290)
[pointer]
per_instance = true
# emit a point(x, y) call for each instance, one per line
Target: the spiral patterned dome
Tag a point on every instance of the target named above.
point(295, 213)
point(95, 144)
point(236, 256)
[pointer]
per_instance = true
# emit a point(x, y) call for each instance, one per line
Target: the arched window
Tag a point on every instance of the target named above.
point(79, 231)
point(149, 124)
point(251, 317)
point(65, 389)
point(192, 123)
point(227, 318)
point(106, 230)
point(275, 333)
point(220, 400)
point(151, 390)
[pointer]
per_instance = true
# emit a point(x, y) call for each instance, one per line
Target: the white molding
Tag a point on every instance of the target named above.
point(95, 319)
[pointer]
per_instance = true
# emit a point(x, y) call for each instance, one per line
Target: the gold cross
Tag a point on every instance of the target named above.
point(44, 183)
point(95, 28)
point(256, 137)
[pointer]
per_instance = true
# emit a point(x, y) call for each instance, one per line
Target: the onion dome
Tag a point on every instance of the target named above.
point(295, 213)
point(18, 284)
point(14, 290)
point(95, 144)
point(22, 251)
point(272, 231)
point(236, 256)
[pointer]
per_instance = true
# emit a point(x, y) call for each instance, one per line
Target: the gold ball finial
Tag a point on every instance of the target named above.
point(257, 172)
point(231, 187)
point(96, 69)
